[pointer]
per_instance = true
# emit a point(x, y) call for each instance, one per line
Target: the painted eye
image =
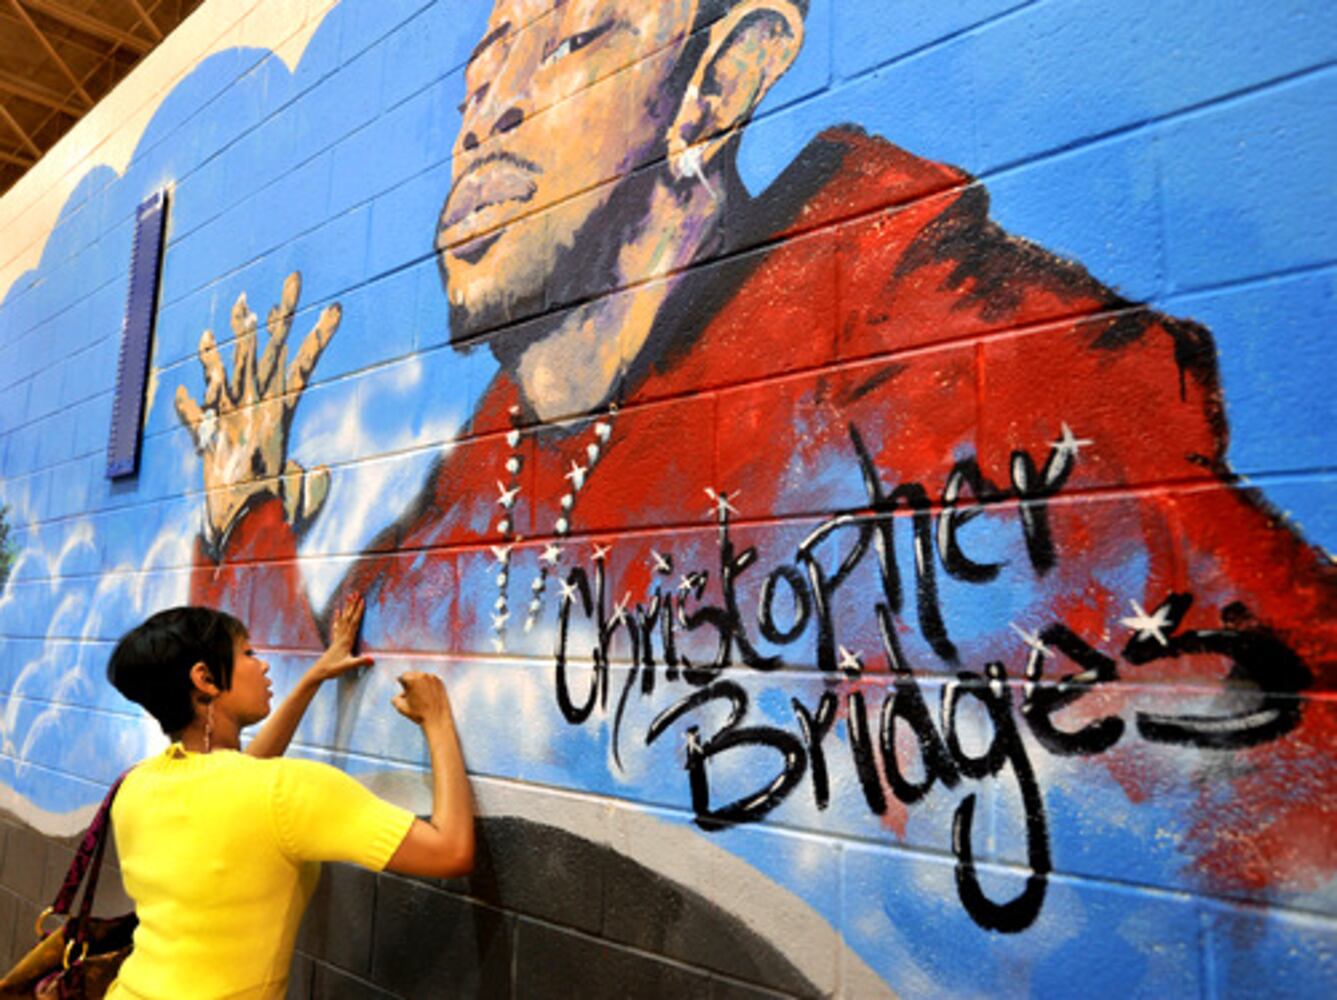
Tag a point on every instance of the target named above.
point(574, 43)
point(472, 99)
point(561, 52)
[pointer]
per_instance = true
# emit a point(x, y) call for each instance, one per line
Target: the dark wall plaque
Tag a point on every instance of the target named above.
point(127, 414)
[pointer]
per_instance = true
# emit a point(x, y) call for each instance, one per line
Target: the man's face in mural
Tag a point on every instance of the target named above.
point(559, 103)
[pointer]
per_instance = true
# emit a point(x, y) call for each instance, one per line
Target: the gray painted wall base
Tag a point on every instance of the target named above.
point(545, 914)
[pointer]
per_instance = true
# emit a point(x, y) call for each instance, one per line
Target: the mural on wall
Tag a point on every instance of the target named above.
point(573, 263)
point(826, 505)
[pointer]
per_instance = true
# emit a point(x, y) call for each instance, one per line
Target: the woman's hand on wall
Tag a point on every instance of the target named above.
point(241, 428)
point(423, 699)
point(339, 657)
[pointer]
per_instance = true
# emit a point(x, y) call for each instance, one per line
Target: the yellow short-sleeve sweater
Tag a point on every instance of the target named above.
point(220, 853)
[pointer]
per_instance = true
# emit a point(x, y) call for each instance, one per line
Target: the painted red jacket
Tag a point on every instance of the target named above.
point(1053, 456)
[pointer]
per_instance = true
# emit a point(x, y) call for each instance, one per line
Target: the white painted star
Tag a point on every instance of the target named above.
point(499, 645)
point(722, 504)
point(568, 591)
point(620, 611)
point(502, 553)
point(499, 621)
point(1149, 626)
point(506, 497)
point(577, 474)
point(850, 661)
point(551, 553)
point(601, 551)
point(686, 583)
point(1031, 639)
point(663, 564)
point(1069, 443)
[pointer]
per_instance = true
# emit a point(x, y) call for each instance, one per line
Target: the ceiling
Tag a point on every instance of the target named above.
point(59, 57)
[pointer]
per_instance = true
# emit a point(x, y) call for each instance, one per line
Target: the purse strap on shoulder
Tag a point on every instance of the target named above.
point(89, 853)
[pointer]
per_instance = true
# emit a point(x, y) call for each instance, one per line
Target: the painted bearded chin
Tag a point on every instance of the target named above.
point(561, 274)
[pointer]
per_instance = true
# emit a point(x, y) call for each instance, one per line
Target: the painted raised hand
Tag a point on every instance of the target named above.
point(241, 426)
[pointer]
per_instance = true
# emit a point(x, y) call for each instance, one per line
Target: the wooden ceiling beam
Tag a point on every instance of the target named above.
point(20, 131)
point(90, 25)
point(91, 44)
point(51, 51)
point(148, 21)
point(87, 78)
point(19, 161)
point(12, 83)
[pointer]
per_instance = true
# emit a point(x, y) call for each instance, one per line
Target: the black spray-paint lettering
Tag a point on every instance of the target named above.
point(916, 498)
point(954, 517)
point(824, 587)
point(907, 705)
point(1004, 748)
point(1034, 489)
point(1041, 701)
point(1261, 665)
point(573, 713)
point(798, 591)
point(730, 736)
point(1263, 668)
point(862, 752)
point(814, 727)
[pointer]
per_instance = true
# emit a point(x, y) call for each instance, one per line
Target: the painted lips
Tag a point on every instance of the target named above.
point(485, 186)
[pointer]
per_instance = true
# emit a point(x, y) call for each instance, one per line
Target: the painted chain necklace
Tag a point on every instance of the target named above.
point(508, 488)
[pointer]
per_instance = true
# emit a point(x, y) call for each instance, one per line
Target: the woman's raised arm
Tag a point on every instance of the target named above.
point(444, 846)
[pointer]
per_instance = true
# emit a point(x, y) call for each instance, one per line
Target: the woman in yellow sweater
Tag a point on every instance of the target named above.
point(220, 849)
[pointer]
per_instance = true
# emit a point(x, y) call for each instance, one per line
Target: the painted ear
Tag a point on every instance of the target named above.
point(747, 51)
point(203, 681)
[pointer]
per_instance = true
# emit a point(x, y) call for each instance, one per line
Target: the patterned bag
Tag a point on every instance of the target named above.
point(80, 958)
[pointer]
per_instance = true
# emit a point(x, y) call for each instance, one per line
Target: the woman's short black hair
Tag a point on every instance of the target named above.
point(151, 664)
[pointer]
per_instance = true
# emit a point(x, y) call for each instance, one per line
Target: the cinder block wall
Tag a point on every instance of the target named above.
point(863, 470)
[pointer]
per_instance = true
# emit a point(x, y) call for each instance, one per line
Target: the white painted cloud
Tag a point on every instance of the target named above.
point(61, 677)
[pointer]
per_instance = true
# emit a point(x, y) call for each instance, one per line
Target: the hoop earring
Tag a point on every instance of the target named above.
point(689, 165)
point(208, 727)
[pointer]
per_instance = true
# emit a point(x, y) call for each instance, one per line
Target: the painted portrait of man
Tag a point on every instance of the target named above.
point(847, 423)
